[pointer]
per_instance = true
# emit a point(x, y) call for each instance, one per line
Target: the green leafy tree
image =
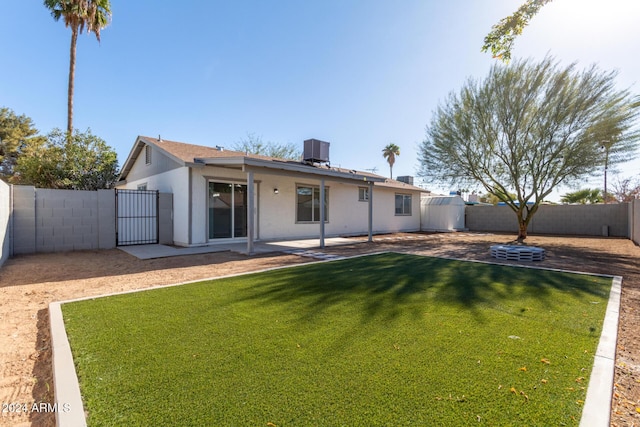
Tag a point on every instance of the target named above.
point(390, 152)
point(493, 199)
point(527, 128)
point(92, 15)
point(502, 35)
point(583, 196)
point(15, 132)
point(255, 145)
point(80, 162)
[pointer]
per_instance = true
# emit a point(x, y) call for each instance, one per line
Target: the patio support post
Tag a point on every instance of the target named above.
point(250, 209)
point(371, 212)
point(322, 213)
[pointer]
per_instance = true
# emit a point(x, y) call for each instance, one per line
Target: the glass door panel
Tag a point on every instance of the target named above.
point(227, 210)
point(239, 210)
point(220, 210)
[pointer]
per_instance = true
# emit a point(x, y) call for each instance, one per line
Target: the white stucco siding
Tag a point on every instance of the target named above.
point(275, 215)
point(385, 219)
point(159, 163)
point(347, 215)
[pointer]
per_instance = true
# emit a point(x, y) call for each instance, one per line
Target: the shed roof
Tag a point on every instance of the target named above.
point(444, 200)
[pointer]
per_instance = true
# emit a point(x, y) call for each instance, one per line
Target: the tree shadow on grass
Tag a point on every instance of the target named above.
point(391, 284)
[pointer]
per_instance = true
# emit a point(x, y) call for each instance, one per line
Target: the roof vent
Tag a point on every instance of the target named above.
point(316, 151)
point(219, 148)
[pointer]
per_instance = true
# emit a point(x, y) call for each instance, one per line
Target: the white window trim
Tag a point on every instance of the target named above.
point(403, 198)
point(366, 194)
point(313, 188)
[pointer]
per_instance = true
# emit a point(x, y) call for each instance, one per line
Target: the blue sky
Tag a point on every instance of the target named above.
point(357, 73)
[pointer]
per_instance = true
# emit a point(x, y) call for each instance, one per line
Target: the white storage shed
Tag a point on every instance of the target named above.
point(442, 213)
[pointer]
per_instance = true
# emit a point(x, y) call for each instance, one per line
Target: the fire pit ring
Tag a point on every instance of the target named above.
point(517, 253)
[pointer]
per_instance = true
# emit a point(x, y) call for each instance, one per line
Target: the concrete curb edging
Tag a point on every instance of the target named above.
point(597, 405)
point(68, 401)
point(596, 410)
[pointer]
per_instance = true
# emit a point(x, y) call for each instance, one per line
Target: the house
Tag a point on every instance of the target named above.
point(221, 195)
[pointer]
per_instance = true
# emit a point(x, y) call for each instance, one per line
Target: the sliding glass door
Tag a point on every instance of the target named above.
point(227, 210)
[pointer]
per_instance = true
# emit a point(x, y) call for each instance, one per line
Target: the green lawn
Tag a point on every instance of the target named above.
point(378, 340)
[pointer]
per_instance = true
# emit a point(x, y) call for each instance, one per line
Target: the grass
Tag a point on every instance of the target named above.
point(387, 339)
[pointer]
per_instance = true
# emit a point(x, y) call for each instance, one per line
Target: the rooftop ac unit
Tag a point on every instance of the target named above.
point(406, 179)
point(316, 151)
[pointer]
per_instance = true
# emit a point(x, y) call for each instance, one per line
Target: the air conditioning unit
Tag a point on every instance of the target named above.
point(316, 151)
point(406, 179)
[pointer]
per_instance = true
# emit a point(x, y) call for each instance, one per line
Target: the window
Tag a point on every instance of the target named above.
point(403, 204)
point(308, 204)
point(363, 194)
point(147, 155)
point(142, 186)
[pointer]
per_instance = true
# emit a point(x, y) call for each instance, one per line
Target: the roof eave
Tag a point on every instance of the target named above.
point(286, 166)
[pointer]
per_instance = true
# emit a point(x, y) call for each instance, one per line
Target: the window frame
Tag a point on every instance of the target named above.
point(313, 220)
point(361, 191)
point(404, 196)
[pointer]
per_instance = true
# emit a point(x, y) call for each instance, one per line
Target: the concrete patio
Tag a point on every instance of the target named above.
point(292, 246)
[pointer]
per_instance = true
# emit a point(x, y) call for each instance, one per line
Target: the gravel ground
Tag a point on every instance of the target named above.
point(29, 283)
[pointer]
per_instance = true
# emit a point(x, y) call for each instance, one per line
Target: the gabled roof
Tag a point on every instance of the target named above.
point(198, 155)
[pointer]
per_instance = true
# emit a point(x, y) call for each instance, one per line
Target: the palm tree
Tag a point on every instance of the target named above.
point(390, 152)
point(94, 15)
point(584, 196)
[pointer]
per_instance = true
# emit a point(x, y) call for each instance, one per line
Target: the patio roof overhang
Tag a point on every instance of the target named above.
point(248, 163)
point(251, 165)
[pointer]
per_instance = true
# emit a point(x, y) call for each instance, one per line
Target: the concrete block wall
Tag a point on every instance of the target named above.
point(5, 222)
point(634, 220)
point(66, 220)
point(24, 219)
point(582, 220)
point(45, 220)
point(106, 207)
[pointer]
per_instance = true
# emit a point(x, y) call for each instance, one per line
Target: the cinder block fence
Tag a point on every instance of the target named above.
point(615, 220)
point(43, 220)
point(62, 220)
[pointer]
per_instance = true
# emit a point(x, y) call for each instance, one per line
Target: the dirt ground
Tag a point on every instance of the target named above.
point(29, 283)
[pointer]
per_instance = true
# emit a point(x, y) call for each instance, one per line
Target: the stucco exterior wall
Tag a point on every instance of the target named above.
point(275, 216)
point(160, 163)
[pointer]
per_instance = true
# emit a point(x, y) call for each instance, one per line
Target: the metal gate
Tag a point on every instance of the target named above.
point(136, 217)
